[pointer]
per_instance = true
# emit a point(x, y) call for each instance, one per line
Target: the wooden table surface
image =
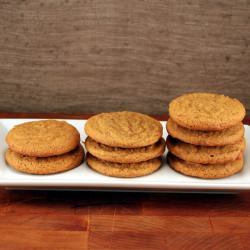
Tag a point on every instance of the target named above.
point(122, 220)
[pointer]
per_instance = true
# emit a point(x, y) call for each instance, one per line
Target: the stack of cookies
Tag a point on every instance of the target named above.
point(124, 144)
point(206, 135)
point(44, 147)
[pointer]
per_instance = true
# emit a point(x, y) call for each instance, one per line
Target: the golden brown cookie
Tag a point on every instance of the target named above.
point(206, 111)
point(43, 138)
point(124, 170)
point(124, 155)
point(206, 171)
point(206, 138)
point(124, 129)
point(45, 165)
point(205, 154)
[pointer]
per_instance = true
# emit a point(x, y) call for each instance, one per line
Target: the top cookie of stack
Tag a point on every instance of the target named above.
point(124, 144)
point(206, 135)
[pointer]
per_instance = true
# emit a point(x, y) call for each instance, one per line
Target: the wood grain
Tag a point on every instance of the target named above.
point(90, 56)
point(36, 239)
point(148, 228)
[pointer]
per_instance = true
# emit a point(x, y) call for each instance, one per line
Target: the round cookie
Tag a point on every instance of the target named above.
point(43, 138)
point(124, 129)
point(123, 170)
point(206, 111)
point(206, 138)
point(205, 154)
point(45, 165)
point(124, 155)
point(209, 171)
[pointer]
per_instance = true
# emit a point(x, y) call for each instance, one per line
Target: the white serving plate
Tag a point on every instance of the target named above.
point(82, 177)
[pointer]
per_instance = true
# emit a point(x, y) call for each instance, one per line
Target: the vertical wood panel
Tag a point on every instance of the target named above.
point(91, 56)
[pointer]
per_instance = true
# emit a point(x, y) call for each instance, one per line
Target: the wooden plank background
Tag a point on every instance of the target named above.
point(102, 55)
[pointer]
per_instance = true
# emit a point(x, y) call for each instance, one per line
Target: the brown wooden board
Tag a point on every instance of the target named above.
point(90, 56)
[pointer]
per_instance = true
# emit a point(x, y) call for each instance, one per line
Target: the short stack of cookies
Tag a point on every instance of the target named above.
point(206, 135)
point(44, 147)
point(124, 144)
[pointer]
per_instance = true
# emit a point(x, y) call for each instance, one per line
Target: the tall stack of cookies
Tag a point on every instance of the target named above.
point(124, 144)
point(44, 147)
point(206, 135)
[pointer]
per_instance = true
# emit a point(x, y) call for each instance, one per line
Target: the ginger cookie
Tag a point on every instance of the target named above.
point(123, 170)
point(125, 155)
point(206, 111)
point(43, 138)
point(45, 165)
point(206, 171)
point(205, 154)
point(124, 129)
point(206, 138)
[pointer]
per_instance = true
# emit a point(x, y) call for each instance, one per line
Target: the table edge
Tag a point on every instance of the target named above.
point(11, 115)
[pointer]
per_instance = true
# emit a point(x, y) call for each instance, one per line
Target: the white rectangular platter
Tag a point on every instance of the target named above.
point(82, 177)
